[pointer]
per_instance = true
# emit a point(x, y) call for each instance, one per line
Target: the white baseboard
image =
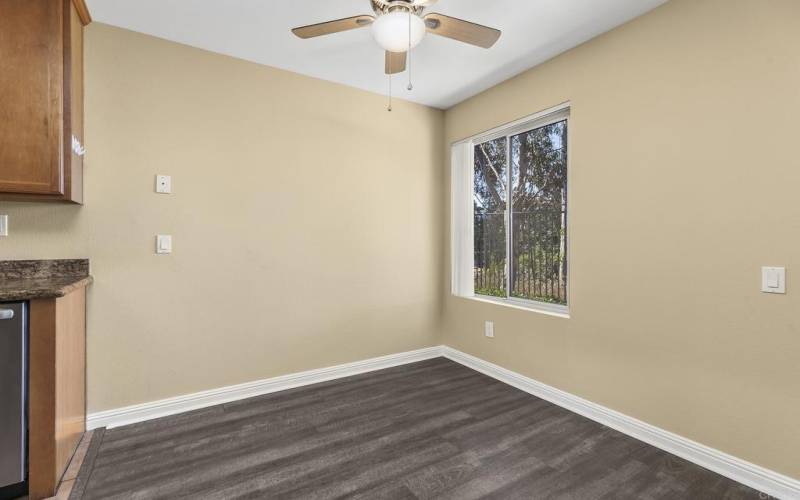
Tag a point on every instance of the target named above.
point(764, 480)
point(180, 404)
point(755, 476)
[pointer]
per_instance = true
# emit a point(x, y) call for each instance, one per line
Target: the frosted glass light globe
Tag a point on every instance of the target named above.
point(391, 31)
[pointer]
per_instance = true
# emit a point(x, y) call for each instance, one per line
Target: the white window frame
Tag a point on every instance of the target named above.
point(462, 215)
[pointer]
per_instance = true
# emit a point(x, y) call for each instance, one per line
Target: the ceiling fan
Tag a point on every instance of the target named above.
point(400, 25)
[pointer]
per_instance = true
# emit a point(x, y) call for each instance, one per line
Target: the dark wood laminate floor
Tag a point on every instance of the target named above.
point(433, 429)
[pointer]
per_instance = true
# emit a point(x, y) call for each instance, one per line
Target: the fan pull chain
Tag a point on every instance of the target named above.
point(408, 53)
point(390, 93)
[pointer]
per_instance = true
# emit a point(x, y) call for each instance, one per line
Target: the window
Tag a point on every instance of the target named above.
point(510, 213)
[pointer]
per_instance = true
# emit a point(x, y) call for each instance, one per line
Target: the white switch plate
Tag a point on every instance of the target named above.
point(3, 225)
point(163, 184)
point(773, 279)
point(163, 243)
point(488, 329)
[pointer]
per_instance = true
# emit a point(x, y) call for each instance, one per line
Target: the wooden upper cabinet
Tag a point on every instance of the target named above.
point(41, 99)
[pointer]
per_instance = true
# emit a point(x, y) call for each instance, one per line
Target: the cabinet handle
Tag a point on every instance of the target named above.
point(6, 313)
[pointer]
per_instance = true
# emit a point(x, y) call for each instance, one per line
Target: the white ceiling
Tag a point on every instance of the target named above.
point(445, 72)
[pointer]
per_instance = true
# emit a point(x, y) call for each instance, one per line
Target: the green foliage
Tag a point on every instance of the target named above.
point(492, 292)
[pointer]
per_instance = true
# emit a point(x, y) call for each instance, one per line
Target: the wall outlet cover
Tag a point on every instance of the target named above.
point(163, 184)
point(3, 225)
point(163, 243)
point(773, 279)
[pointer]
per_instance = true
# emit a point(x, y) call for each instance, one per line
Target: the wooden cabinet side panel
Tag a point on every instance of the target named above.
point(57, 396)
point(31, 86)
point(76, 101)
point(70, 411)
point(41, 399)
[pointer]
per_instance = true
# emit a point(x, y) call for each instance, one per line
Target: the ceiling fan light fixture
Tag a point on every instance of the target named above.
point(391, 31)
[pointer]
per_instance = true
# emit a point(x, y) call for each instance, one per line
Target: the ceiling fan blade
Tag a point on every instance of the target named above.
point(463, 31)
point(349, 23)
point(395, 62)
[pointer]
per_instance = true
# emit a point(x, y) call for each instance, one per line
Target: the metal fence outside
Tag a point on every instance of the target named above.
point(539, 262)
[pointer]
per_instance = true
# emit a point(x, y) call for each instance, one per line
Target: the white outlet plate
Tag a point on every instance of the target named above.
point(773, 279)
point(163, 184)
point(488, 329)
point(3, 225)
point(163, 243)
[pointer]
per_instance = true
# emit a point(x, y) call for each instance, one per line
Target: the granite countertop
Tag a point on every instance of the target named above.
point(41, 279)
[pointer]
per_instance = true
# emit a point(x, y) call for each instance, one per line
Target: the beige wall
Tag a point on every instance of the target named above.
point(304, 236)
point(685, 181)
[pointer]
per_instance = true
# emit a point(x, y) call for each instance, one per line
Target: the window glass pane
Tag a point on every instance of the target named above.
point(489, 200)
point(539, 218)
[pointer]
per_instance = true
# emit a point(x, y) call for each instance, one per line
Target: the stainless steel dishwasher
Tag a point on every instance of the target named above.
point(13, 397)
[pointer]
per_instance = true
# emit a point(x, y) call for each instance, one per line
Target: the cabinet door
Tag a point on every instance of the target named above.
point(31, 97)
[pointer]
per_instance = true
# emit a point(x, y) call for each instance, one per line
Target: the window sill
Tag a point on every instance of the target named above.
point(556, 310)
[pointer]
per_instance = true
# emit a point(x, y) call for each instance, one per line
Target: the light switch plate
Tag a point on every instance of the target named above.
point(163, 243)
point(163, 184)
point(773, 279)
point(488, 329)
point(3, 225)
